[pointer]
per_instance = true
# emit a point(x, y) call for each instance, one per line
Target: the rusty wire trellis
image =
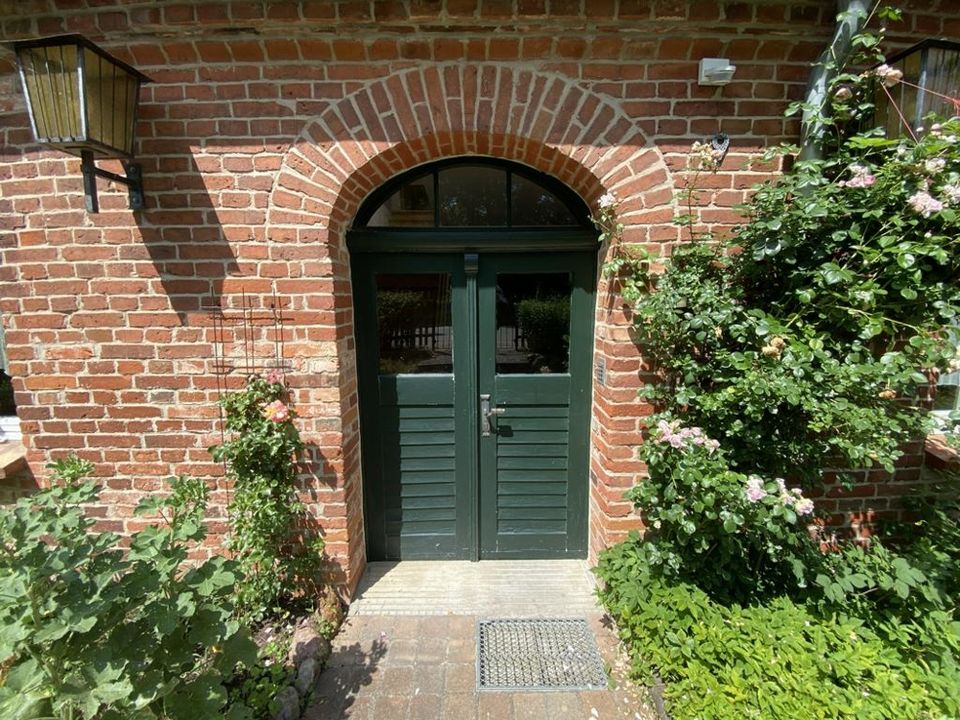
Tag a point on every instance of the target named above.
point(247, 340)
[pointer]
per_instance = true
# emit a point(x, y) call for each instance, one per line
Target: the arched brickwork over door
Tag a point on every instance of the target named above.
point(416, 116)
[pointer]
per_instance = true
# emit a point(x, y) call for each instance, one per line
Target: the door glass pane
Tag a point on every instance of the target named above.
point(946, 399)
point(533, 323)
point(413, 322)
point(532, 204)
point(410, 206)
point(473, 195)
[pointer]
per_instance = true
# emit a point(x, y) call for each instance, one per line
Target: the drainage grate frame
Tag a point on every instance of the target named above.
point(538, 654)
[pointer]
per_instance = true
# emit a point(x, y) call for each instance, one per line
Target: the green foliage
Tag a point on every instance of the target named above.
point(257, 686)
point(778, 659)
point(88, 630)
point(792, 343)
point(270, 537)
point(545, 324)
point(795, 346)
point(708, 522)
point(70, 469)
point(7, 404)
point(398, 309)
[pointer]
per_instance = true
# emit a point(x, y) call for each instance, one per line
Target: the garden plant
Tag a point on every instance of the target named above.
point(280, 554)
point(91, 628)
point(801, 343)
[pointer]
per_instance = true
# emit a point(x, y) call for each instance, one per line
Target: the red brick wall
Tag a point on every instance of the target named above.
point(267, 125)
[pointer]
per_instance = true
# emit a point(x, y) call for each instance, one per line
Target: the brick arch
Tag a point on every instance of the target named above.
point(419, 115)
point(546, 121)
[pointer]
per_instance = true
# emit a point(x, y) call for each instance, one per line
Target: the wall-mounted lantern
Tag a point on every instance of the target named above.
point(83, 101)
point(930, 84)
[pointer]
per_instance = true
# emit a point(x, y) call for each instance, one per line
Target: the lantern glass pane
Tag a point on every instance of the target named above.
point(130, 95)
point(98, 87)
point(52, 86)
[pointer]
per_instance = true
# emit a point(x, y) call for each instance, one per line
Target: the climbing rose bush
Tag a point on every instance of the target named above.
point(803, 341)
point(269, 534)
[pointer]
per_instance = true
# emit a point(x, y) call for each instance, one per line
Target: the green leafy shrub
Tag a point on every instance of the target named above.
point(256, 686)
point(398, 309)
point(89, 630)
point(796, 345)
point(281, 557)
point(793, 342)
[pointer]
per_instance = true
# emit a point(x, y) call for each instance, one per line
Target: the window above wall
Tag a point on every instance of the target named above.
point(9, 422)
point(475, 193)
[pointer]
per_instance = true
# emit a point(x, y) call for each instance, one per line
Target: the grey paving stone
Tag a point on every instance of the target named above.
point(425, 707)
point(432, 650)
point(461, 650)
point(460, 678)
point(459, 706)
point(529, 706)
point(396, 681)
point(564, 705)
point(501, 588)
point(401, 651)
point(428, 679)
point(421, 663)
point(393, 707)
point(494, 706)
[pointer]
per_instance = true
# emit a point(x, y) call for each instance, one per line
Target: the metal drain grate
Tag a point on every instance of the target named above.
point(541, 654)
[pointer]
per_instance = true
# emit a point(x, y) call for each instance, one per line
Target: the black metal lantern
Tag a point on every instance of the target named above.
point(930, 84)
point(83, 101)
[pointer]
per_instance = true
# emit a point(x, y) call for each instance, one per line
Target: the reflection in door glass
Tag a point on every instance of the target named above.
point(410, 206)
point(533, 323)
point(473, 196)
point(532, 205)
point(413, 321)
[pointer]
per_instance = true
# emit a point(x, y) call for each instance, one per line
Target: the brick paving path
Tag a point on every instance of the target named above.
point(409, 667)
point(408, 648)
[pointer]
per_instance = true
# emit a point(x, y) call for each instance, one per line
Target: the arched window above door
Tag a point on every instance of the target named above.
point(473, 192)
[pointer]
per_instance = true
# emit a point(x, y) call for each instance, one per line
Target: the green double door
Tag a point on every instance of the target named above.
point(474, 403)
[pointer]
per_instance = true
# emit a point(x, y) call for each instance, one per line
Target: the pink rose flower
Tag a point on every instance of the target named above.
point(924, 203)
point(861, 177)
point(276, 411)
point(755, 491)
point(804, 507)
point(888, 76)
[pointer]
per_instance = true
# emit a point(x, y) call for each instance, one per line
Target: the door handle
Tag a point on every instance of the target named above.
point(486, 411)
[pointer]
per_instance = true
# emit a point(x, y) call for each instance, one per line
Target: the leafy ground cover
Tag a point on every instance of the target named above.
point(876, 637)
point(800, 343)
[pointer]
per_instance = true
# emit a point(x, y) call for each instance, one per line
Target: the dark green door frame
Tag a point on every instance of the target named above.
point(472, 260)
